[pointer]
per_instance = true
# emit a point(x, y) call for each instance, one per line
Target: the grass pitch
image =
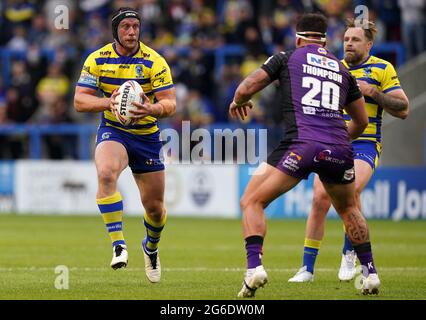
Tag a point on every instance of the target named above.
point(201, 259)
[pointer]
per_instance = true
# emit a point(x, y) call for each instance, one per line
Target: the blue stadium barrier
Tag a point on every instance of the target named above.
point(84, 132)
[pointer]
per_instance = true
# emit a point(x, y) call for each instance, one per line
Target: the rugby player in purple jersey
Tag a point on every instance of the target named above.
point(315, 88)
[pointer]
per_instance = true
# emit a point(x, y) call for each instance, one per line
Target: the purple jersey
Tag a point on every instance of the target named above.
point(315, 86)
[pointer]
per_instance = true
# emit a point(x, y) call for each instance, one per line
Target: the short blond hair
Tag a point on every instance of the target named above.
point(370, 29)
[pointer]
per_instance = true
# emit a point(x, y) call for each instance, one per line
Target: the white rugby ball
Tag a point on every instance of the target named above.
point(129, 92)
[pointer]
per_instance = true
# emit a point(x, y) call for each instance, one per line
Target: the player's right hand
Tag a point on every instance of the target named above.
point(240, 110)
point(112, 103)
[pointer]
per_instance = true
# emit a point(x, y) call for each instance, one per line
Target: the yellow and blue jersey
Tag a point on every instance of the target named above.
point(381, 75)
point(105, 70)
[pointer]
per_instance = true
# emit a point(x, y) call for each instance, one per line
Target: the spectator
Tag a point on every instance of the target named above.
point(38, 32)
point(55, 84)
point(19, 41)
point(207, 34)
point(57, 146)
point(413, 26)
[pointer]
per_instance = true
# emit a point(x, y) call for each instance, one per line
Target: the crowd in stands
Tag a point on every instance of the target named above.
point(38, 75)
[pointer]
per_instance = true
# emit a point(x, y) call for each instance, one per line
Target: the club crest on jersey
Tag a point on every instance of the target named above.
point(138, 70)
point(367, 72)
point(322, 62)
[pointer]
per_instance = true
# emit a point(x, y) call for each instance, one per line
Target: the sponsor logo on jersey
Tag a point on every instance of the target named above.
point(108, 71)
point(291, 162)
point(124, 66)
point(153, 162)
point(322, 50)
point(325, 155)
point(161, 72)
point(295, 155)
point(322, 62)
point(105, 53)
point(309, 110)
point(88, 79)
point(349, 174)
point(159, 83)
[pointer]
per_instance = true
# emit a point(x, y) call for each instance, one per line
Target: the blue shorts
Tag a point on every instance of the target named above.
point(143, 150)
point(368, 151)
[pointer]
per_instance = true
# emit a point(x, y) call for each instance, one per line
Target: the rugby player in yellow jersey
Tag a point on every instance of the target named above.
point(137, 145)
point(382, 91)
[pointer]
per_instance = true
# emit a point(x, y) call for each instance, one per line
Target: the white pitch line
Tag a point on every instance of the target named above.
point(196, 269)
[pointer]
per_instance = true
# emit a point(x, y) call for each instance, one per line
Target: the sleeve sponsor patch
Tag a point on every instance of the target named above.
point(88, 79)
point(161, 82)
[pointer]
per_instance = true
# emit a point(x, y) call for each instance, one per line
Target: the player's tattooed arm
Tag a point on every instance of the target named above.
point(253, 83)
point(395, 103)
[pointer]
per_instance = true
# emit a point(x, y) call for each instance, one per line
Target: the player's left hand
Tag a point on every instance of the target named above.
point(144, 109)
point(240, 110)
point(366, 89)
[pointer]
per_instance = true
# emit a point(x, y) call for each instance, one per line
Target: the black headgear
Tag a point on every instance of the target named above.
point(119, 15)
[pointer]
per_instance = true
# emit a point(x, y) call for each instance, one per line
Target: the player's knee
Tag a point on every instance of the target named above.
point(245, 201)
point(248, 201)
point(154, 208)
point(347, 210)
point(107, 176)
point(320, 202)
point(358, 190)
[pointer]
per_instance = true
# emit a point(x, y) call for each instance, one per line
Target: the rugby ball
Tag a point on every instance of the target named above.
point(129, 92)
